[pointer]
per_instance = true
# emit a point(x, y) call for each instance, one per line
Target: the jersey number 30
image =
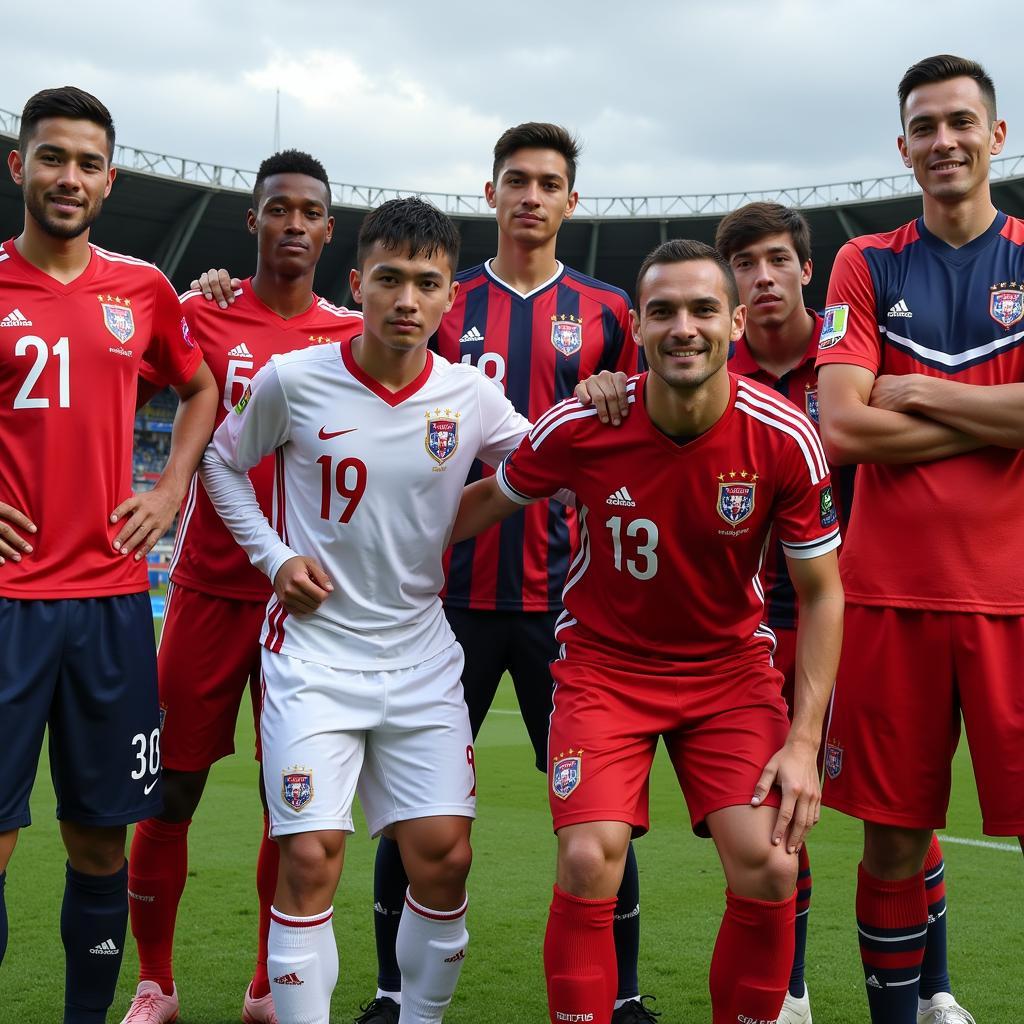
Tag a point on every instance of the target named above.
point(644, 534)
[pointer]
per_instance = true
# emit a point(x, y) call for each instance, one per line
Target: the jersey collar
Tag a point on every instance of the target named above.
point(742, 361)
point(392, 398)
point(559, 270)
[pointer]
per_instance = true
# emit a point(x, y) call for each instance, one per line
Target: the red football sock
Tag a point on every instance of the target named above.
point(752, 960)
point(266, 883)
point(157, 869)
point(579, 958)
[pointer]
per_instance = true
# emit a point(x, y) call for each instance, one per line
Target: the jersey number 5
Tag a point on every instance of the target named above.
point(645, 533)
point(348, 478)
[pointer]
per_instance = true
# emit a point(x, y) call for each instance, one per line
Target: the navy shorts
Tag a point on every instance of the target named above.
point(520, 643)
point(86, 669)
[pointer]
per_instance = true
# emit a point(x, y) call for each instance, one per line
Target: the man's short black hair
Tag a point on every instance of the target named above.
point(686, 250)
point(290, 161)
point(941, 68)
point(750, 223)
point(537, 135)
point(66, 101)
point(412, 226)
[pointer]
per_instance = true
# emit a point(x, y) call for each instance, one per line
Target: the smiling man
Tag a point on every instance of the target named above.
point(214, 592)
point(645, 655)
point(919, 376)
point(76, 627)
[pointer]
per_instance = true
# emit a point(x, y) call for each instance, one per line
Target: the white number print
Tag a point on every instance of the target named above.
point(235, 376)
point(645, 563)
point(24, 399)
point(147, 754)
point(491, 365)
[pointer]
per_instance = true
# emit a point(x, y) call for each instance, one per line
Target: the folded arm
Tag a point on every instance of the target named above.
point(859, 426)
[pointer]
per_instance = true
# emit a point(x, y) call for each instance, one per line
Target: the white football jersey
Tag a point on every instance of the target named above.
point(368, 483)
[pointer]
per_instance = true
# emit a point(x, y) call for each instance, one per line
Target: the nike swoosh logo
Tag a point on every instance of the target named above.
point(326, 435)
point(149, 788)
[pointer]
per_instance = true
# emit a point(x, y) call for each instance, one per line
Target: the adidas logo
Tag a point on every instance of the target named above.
point(873, 982)
point(471, 335)
point(621, 497)
point(289, 979)
point(455, 957)
point(105, 948)
point(900, 309)
point(242, 351)
point(15, 319)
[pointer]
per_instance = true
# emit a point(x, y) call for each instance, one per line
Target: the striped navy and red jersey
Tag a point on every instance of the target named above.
point(942, 535)
point(800, 386)
point(536, 347)
point(673, 535)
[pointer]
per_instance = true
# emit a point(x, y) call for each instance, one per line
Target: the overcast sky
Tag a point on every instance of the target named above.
point(667, 97)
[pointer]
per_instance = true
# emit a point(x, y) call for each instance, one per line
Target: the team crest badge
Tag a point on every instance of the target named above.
point(297, 787)
point(567, 333)
point(163, 716)
point(117, 316)
point(566, 773)
point(442, 435)
point(736, 496)
point(1006, 306)
point(833, 760)
point(811, 403)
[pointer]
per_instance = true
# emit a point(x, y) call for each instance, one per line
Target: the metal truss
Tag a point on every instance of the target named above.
point(662, 207)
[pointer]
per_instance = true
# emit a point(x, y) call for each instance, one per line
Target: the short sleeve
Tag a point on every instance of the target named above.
point(540, 466)
point(173, 355)
point(806, 515)
point(849, 330)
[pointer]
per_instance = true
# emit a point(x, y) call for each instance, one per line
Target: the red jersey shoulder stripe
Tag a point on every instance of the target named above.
point(773, 413)
point(570, 409)
point(895, 241)
point(341, 312)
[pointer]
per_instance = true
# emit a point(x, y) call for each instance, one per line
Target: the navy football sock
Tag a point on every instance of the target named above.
point(803, 909)
point(93, 922)
point(626, 928)
point(935, 969)
point(3, 916)
point(389, 885)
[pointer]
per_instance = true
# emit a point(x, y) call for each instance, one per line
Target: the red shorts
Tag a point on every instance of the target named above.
point(722, 722)
point(904, 680)
point(209, 652)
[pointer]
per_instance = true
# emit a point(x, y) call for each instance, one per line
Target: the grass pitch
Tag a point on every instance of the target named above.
point(510, 885)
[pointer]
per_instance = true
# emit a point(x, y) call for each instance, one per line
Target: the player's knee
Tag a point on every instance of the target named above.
point(309, 860)
point(92, 850)
point(446, 866)
point(586, 867)
point(894, 853)
point(182, 793)
point(778, 874)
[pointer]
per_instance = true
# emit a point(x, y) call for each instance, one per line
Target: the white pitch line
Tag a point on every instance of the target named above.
point(987, 844)
point(501, 711)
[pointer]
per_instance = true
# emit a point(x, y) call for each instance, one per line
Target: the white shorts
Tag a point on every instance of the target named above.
point(401, 739)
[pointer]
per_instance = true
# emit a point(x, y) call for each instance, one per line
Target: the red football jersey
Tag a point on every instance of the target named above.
point(69, 362)
point(236, 342)
point(672, 536)
point(942, 535)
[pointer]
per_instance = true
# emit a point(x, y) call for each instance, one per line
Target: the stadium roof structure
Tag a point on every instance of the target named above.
point(187, 215)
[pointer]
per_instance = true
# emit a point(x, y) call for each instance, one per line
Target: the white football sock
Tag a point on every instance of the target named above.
point(302, 962)
point(431, 946)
